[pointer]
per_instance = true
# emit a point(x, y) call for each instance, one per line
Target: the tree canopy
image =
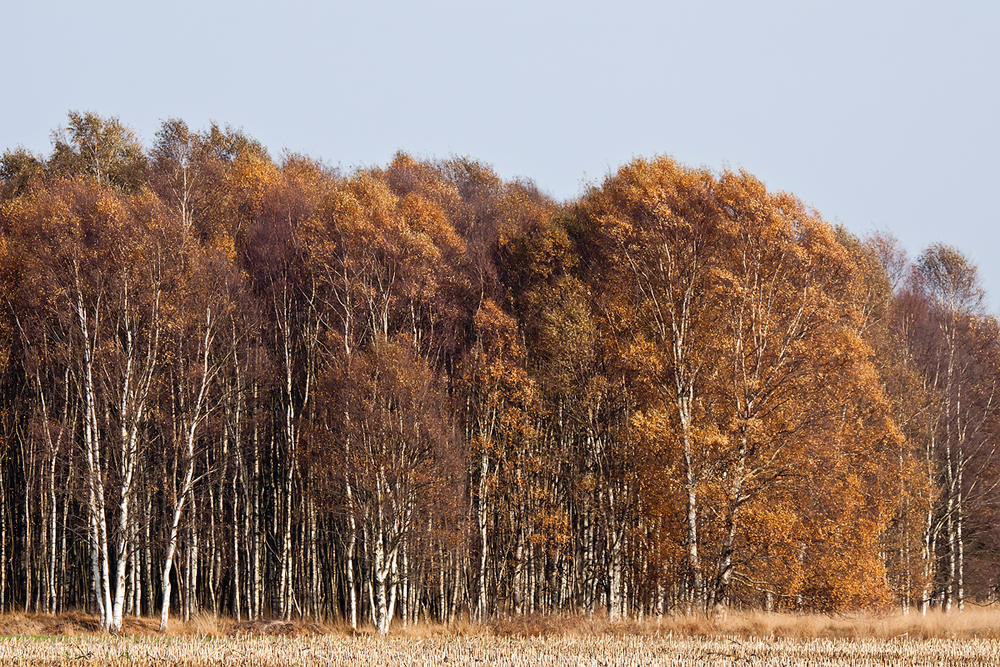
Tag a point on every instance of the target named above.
point(264, 387)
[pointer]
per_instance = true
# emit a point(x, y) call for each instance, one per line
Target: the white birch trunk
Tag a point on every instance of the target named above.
point(3, 545)
point(352, 593)
point(168, 561)
point(381, 572)
point(481, 518)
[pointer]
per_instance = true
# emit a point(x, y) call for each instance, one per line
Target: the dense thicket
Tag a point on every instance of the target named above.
point(264, 388)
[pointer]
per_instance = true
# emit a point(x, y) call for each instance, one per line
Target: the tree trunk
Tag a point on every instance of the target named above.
point(3, 542)
point(692, 515)
point(168, 561)
point(352, 593)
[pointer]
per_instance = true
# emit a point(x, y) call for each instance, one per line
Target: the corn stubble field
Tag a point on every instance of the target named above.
point(503, 651)
point(755, 640)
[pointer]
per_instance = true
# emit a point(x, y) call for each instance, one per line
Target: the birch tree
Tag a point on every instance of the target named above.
point(103, 148)
point(200, 326)
point(664, 221)
point(112, 318)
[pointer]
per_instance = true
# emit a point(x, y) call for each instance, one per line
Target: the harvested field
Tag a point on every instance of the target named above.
point(487, 650)
point(755, 639)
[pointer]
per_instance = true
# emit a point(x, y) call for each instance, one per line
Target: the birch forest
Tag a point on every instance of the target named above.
point(261, 387)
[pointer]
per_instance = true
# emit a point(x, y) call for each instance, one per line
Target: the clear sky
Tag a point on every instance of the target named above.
point(882, 115)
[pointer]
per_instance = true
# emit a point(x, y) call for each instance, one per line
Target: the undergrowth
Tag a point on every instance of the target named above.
point(972, 623)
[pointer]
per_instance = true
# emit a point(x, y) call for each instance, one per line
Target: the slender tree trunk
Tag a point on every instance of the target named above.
point(213, 553)
point(3, 541)
point(481, 518)
point(96, 565)
point(28, 538)
point(235, 522)
point(194, 561)
point(352, 593)
point(928, 548)
point(614, 581)
point(51, 603)
point(314, 565)
point(694, 563)
point(960, 520)
point(123, 547)
point(98, 521)
point(258, 521)
point(718, 596)
point(381, 571)
point(174, 530)
point(147, 557)
point(64, 554)
point(456, 590)
point(130, 584)
point(168, 561)
point(285, 586)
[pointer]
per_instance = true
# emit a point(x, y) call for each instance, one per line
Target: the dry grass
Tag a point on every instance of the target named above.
point(755, 639)
point(551, 651)
point(76, 624)
point(973, 623)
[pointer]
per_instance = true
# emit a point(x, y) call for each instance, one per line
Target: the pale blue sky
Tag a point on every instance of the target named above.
point(882, 115)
